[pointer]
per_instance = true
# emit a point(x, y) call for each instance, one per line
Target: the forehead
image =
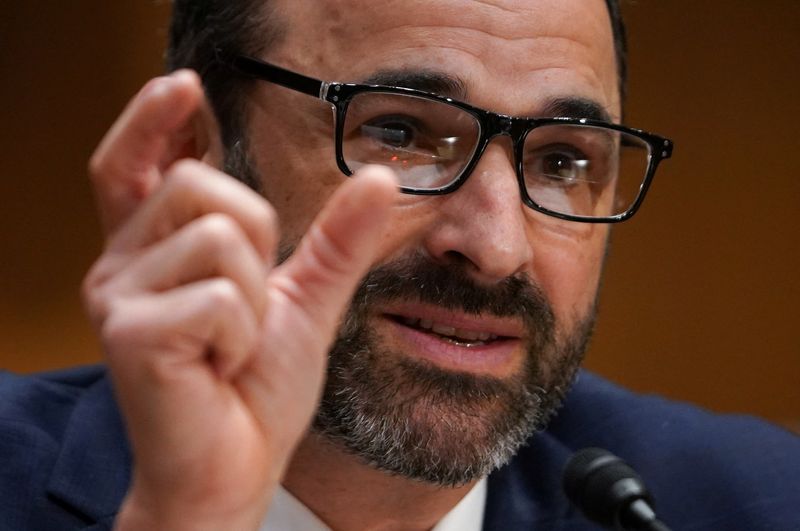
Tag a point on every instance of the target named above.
point(512, 55)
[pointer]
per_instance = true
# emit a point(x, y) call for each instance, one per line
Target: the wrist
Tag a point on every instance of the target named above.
point(142, 512)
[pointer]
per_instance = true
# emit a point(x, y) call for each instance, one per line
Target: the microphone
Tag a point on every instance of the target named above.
point(609, 492)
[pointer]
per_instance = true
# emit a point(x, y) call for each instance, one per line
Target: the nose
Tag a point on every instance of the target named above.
point(484, 226)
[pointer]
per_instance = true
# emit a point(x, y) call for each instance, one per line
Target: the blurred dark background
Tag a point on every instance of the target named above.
point(702, 286)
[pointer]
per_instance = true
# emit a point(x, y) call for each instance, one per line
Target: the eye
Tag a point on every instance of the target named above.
point(392, 131)
point(562, 165)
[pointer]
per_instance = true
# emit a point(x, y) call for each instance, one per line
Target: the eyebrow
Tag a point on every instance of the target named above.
point(454, 87)
point(424, 80)
point(576, 108)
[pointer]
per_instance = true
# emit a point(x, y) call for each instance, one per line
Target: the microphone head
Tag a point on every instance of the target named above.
point(602, 485)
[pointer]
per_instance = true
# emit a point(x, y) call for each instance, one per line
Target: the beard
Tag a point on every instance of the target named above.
point(411, 418)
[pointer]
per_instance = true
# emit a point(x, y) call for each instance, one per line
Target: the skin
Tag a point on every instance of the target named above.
point(516, 75)
point(514, 58)
point(185, 241)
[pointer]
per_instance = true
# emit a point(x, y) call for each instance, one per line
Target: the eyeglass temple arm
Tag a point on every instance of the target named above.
point(275, 74)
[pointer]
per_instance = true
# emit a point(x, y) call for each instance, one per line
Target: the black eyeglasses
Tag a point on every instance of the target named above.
point(576, 169)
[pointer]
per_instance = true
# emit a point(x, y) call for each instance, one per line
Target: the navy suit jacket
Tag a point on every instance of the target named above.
point(65, 462)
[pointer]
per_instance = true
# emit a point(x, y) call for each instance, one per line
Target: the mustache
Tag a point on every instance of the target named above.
point(416, 278)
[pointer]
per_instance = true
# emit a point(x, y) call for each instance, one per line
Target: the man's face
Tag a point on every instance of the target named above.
point(471, 326)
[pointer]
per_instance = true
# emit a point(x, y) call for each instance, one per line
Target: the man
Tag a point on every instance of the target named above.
point(460, 342)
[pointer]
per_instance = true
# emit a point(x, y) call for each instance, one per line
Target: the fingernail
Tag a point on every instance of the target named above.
point(377, 170)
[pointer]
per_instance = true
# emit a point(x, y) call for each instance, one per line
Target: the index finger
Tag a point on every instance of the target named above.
point(125, 168)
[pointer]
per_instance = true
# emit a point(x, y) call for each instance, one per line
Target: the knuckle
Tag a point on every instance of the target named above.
point(184, 172)
point(96, 303)
point(267, 218)
point(220, 232)
point(268, 224)
point(90, 291)
point(330, 252)
point(181, 178)
point(94, 292)
point(97, 166)
point(118, 329)
point(90, 281)
point(224, 295)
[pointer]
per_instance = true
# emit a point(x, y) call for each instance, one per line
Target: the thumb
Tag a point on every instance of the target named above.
point(339, 247)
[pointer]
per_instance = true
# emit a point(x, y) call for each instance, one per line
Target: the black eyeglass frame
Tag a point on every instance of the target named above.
point(490, 125)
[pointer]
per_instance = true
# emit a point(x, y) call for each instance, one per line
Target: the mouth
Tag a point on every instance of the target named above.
point(457, 336)
point(455, 340)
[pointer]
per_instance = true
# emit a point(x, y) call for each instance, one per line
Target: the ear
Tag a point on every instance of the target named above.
point(208, 141)
point(198, 138)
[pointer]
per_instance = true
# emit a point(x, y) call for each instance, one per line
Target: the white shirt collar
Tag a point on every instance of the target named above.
point(468, 514)
point(287, 513)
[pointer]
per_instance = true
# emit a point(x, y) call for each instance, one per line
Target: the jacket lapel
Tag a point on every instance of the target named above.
point(527, 493)
point(93, 469)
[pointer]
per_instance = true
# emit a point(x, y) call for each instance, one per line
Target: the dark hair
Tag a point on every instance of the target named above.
point(200, 27)
point(620, 46)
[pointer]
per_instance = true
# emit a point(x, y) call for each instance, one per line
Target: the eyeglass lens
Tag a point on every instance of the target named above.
point(427, 143)
point(577, 170)
point(583, 170)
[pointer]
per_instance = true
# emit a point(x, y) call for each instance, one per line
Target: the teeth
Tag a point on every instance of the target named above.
point(448, 331)
point(466, 334)
point(443, 330)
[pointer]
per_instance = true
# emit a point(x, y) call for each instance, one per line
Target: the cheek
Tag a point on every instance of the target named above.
point(568, 265)
point(298, 182)
point(296, 197)
point(296, 162)
point(412, 218)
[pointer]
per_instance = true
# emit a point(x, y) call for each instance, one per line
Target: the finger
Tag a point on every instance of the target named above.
point(192, 190)
point(208, 140)
point(339, 247)
point(159, 337)
point(197, 138)
point(172, 357)
point(125, 166)
point(213, 245)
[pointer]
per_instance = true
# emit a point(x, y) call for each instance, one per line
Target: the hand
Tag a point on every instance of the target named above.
point(217, 357)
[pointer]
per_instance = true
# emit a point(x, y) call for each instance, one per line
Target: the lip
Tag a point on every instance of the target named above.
point(498, 357)
point(505, 327)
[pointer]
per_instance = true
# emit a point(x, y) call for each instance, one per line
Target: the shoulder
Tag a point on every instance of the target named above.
point(35, 411)
point(598, 412)
point(705, 470)
point(44, 401)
